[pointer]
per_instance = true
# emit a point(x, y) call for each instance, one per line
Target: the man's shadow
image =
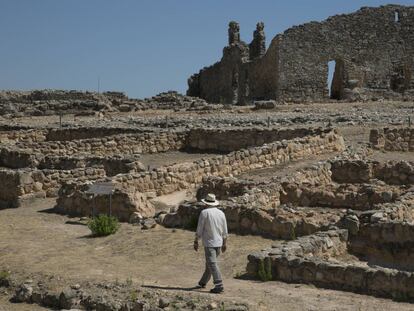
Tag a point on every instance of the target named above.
point(186, 289)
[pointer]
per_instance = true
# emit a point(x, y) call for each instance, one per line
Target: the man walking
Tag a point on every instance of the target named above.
point(212, 229)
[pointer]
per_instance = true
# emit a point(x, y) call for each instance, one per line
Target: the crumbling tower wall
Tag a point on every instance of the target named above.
point(373, 51)
point(257, 47)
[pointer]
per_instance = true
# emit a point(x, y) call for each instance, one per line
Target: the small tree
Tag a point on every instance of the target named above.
point(103, 225)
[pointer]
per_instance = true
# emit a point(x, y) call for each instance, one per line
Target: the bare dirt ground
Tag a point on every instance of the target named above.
point(160, 257)
point(359, 115)
point(284, 170)
point(171, 157)
point(6, 305)
point(32, 241)
point(388, 156)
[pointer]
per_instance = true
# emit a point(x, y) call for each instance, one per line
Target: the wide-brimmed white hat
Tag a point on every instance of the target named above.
point(210, 199)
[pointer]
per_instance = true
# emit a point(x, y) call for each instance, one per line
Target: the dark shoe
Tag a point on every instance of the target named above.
point(201, 285)
point(217, 290)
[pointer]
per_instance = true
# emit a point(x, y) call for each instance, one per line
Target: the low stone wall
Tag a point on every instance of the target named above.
point(111, 141)
point(126, 144)
point(227, 140)
point(87, 132)
point(395, 173)
point(358, 197)
point(52, 180)
point(73, 200)
point(345, 171)
point(14, 158)
point(302, 261)
point(271, 208)
point(386, 237)
point(350, 184)
point(359, 171)
point(254, 207)
point(113, 165)
point(17, 186)
point(13, 135)
point(176, 177)
point(243, 217)
point(19, 135)
point(225, 187)
point(24, 184)
point(388, 244)
point(395, 139)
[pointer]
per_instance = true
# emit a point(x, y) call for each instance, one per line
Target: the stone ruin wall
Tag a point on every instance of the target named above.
point(227, 140)
point(386, 238)
point(187, 175)
point(383, 240)
point(254, 208)
point(250, 207)
point(23, 150)
point(176, 177)
point(384, 246)
point(21, 135)
point(391, 172)
point(373, 53)
point(28, 149)
point(392, 139)
point(22, 185)
point(52, 102)
point(125, 144)
point(77, 133)
point(47, 164)
point(12, 188)
point(350, 186)
point(302, 261)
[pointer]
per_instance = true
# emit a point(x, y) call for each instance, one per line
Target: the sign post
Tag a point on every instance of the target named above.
point(101, 188)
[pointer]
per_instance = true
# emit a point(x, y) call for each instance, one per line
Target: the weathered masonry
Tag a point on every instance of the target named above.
point(373, 51)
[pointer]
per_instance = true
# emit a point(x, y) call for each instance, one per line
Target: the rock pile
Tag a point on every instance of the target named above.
point(52, 102)
point(49, 292)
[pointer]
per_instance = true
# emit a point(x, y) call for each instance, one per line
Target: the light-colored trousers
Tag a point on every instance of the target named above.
point(212, 268)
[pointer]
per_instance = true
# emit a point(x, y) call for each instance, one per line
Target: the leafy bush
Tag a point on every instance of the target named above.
point(265, 270)
point(133, 295)
point(4, 275)
point(103, 225)
point(4, 279)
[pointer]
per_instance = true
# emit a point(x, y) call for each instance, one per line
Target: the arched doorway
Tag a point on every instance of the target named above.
point(336, 79)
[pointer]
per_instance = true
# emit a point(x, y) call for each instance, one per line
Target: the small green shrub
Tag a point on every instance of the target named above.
point(4, 279)
point(128, 281)
point(265, 270)
point(133, 295)
point(103, 225)
point(4, 275)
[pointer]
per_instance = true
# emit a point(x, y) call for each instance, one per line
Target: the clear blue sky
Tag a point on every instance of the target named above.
point(141, 47)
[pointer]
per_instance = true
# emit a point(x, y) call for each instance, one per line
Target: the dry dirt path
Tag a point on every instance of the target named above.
point(286, 169)
point(32, 241)
point(172, 157)
point(5, 305)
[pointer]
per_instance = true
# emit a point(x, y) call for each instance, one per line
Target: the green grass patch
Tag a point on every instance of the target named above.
point(4, 275)
point(103, 225)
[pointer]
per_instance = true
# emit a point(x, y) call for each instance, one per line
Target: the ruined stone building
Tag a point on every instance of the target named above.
point(373, 51)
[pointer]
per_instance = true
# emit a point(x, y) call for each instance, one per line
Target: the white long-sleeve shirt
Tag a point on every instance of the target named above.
point(212, 227)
